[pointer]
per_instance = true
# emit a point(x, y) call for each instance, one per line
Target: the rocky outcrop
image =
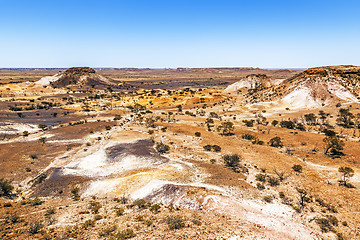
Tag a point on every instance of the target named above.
point(253, 81)
point(314, 87)
point(81, 77)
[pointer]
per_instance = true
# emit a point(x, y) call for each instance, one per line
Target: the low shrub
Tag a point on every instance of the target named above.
point(273, 181)
point(155, 208)
point(140, 203)
point(297, 168)
point(268, 199)
point(175, 222)
point(125, 234)
point(119, 211)
point(162, 148)
point(5, 187)
point(35, 227)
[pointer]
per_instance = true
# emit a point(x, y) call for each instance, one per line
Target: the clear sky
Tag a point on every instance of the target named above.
point(179, 33)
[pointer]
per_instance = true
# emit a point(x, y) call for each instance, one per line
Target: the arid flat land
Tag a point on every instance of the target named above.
point(212, 153)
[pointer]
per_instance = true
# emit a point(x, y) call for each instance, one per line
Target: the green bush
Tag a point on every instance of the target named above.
point(119, 211)
point(260, 177)
point(260, 186)
point(274, 122)
point(268, 199)
point(232, 161)
point(50, 211)
point(162, 148)
point(207, 147)
point(248, 136)
point(40, 178)
point(75, 193)
point(12, 217)
point(287, 124)
point(324, 224)
point(35, 202)
point(216, 148)
point(5, 187)
point(125, 234)
point(88, 223)
point(94, 206)
point(175, 222)
point(273, 181)
point(281, 194)
point(196, 221)
point(107, 231)
point(275, 142)
point(297, 168)
point(35, 227)
point(155, 208)
point(140, 203)
point(249, 123)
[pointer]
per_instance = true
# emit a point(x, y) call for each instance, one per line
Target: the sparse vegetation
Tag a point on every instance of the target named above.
point(346, 173)
point(303, 197)
point(35, 227)
point(333, 146)
point(175, 222)
point(226, 128)
point(215, 148)
point(75, 193)
point(276, 142)
point(232, 161)
point(102, 141)
point(162, 148)
point(297, 168)
point(5, 187)
point(155, 208)
point(248, 123)
point(139, 203)
point(268, 199)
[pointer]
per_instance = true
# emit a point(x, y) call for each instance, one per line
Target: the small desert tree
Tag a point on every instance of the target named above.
point(287, 124)
point(150, 122)
point(310, 118)
point(347, 173)
point(209, 123)
point(303, 197)
point(275, 142)
point(42, 140)
point(333, 146)
point(232, 161)
point(345, 118)
point(226, 128)
point(323, 115)
point(274, 122)
point(179, 108)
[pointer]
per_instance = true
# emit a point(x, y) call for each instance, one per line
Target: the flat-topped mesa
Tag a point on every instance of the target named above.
point(79, 70)
point(332, 70)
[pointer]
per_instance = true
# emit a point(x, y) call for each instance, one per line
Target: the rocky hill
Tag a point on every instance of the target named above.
point(252, 81)
point(81, 77)
point(314, 87)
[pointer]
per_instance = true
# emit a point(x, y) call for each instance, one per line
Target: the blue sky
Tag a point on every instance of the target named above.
point(179, 33)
